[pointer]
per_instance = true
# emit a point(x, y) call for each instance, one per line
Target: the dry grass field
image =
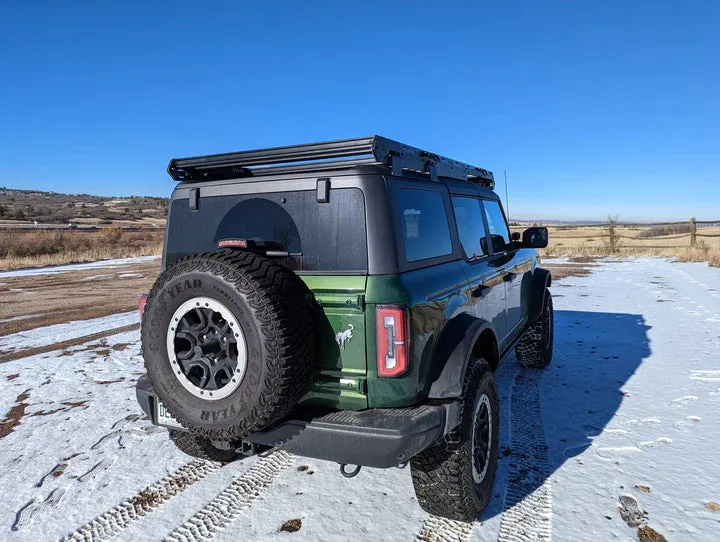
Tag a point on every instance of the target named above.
point(633, 241)
point(20, 249)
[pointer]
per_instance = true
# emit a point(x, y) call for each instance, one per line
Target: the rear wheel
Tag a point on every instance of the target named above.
point(201, 448)
point(534, 350)
point(455, 476)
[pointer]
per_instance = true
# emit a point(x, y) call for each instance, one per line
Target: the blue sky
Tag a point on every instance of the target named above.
point(593, 108)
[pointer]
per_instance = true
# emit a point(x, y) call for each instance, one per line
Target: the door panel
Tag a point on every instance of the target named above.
point(518, 272)
point(487, 289)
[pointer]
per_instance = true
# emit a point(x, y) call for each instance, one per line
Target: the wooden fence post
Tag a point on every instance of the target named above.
point(693, 232)
point(611, 227)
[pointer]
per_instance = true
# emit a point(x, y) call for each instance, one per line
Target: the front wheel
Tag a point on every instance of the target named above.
point(455, 476)
point(534, 350)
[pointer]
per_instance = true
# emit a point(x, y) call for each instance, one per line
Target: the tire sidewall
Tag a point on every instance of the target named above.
point(548, 324)
point(189, 409)
point(484, 384)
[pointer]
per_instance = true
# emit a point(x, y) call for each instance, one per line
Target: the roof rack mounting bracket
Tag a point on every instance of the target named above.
point(323, 190)
point(431, 168)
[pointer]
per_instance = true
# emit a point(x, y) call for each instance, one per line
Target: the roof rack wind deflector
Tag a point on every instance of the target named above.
point(375, 150)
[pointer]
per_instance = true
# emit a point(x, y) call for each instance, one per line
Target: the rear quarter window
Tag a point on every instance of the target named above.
point(424, 223)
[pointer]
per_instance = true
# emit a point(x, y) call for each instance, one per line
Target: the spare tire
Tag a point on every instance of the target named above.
point(228, 342)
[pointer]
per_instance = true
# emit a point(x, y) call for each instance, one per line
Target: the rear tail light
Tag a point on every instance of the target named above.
point(141, 305)
point(393, 340)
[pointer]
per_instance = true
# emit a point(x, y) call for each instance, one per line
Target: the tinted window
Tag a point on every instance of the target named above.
point(424, 223)
point(499, 232)
point(331, 236)
point(470, 226)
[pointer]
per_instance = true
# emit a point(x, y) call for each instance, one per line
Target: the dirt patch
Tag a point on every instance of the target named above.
point(75, 404)
point(15, 415)
point(27, 352)
point(710, 505)
point(73, 295)
point(560, 271)
point(13, 376)
point(119, 347)
point(648, 534)
point(47, 412)
point(67, 405)
point(291, 526)
point(104, 382)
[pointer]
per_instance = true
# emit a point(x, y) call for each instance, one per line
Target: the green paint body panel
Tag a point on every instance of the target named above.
point(340, 378)
point(433, 295)
point(346, 374)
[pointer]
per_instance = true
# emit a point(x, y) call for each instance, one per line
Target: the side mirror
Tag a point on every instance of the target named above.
point(515, 236)
point(536, 237)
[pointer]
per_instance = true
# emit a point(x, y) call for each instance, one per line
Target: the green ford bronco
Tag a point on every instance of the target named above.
point(346, 301)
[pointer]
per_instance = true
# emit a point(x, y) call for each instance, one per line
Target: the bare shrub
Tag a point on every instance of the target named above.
point(659, 231)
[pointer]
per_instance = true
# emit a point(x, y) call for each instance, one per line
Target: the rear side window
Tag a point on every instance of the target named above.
point(330, 236)
point(499, 232)
point(470, 226)
point(424, 222)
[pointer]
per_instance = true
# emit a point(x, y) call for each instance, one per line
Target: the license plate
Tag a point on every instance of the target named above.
point(163, 416)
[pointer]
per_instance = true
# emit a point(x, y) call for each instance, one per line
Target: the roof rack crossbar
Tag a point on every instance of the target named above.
point(397, 156)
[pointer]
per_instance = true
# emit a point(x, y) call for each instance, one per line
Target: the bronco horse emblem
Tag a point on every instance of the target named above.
point(342, 337)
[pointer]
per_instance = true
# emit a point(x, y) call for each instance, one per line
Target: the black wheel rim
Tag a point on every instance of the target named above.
point(482, 438)
point(206, 348)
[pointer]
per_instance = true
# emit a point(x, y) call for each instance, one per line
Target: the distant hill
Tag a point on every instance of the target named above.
point(28, 206)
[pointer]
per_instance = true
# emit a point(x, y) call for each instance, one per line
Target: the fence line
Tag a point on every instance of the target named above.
point(610, 233)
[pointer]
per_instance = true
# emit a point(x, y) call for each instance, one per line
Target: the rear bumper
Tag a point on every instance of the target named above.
point(372, 438)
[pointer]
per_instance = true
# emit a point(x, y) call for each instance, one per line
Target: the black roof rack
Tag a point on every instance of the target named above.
point(377, 151)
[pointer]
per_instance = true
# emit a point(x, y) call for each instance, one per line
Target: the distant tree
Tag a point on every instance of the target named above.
point(69, 205)
point(3, 210)
point(19, 215)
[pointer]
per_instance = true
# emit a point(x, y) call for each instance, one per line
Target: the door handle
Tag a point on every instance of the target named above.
point(480, 291)
point(508, 277)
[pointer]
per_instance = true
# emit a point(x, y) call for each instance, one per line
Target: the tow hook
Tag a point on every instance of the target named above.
point(349, 473)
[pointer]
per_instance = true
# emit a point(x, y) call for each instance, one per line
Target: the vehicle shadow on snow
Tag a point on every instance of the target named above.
point(577, 396)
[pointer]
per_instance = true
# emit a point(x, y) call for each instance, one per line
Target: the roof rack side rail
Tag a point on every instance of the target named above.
point(400, 157)
point(397, 156)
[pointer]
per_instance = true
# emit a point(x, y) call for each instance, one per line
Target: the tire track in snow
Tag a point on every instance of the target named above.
point(437, 529)
point(227, 505)
point(528, 500)
point(111, 522)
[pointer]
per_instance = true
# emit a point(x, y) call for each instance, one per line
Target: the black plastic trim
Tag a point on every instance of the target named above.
point(145, 396)
point(542, 279)
point(453, 354)
point(378, 437)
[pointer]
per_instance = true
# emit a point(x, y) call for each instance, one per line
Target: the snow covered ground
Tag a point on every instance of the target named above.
point(57, 269)
point(625, 417)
